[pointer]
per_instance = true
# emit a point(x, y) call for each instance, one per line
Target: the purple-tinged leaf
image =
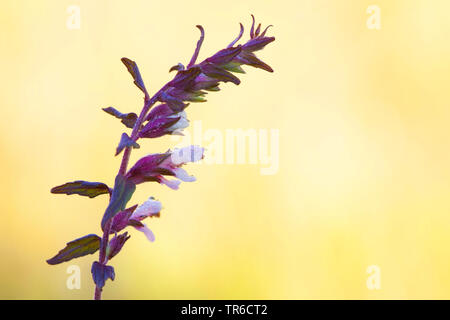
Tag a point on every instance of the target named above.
point(204, 82)
point(82, 188)
point(144, 167)
point(216, 88)
point(161, 110)
point(224, 56)
point(101, 273)
point(257, 43)
point(174, 103)
point(116, 244)
point(184, 79)
point(135, 223)
point(212, 71)
point(250, 59)
point(159, 127)
point(184, 95)
point(120, 220)
point(128, 119)
point(77, 248)
point(126, 142)
point(123, 190)
point(233, 67)
point(134, 71)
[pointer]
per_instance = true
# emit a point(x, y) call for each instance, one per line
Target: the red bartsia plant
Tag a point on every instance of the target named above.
point(190, 84)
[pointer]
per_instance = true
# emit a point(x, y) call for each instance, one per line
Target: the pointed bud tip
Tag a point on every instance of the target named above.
point(200, 28)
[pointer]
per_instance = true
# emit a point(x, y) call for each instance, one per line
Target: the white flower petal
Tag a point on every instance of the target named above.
point(148, 208)
point(172, 184)
point(187, 154)
point(179, 126)
point(148, 233)
point(182, 174)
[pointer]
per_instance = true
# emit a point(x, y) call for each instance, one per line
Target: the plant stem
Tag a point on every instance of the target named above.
point(103, 259)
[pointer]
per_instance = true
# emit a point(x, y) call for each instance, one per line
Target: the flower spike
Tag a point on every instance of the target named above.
point(189, 83)
point(164, 113)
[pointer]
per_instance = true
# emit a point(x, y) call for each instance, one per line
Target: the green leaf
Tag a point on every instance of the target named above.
point(126, 142)
point(134, 71)
point(82, 188)
point(77, 248)
point(123, 190)
point(128, 119)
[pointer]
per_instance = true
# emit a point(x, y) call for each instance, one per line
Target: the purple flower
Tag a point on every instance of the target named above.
point(155, 166)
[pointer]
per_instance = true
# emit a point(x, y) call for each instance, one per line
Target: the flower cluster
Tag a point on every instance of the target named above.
point(155, 166)
point(191, 83)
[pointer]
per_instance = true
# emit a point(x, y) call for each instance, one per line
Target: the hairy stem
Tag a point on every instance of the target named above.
point(103, 259)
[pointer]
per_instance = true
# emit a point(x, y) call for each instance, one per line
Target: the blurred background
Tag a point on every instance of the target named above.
point(363, 116)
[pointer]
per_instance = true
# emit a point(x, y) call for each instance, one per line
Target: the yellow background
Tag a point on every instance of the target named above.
point(364, 150)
